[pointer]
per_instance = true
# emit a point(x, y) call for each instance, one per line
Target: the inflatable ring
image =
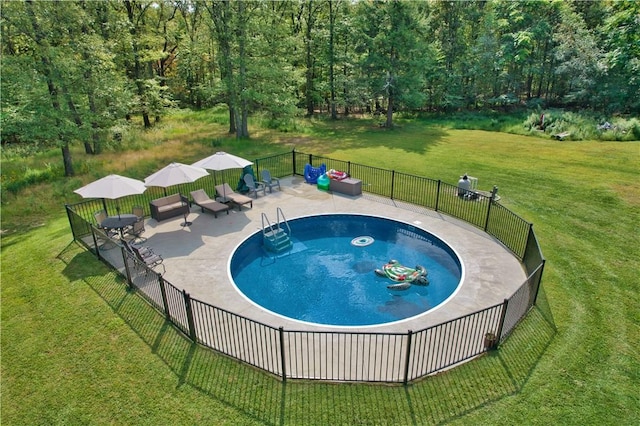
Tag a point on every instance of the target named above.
point(363, 241)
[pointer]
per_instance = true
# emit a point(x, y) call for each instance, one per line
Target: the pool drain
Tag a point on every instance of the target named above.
point(362, 241)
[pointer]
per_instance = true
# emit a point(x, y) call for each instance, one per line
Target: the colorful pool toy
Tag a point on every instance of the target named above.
point(323, 182)
point(403, 275)
point(337, 174)
point(311, 174)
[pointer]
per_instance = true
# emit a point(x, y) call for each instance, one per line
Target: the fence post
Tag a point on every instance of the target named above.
point(535, 297)
point(71, 222)
point(486, 220)
point(95, 242)
point(438, 195)
point(407, 358)
point(126, 267)
point(503, 314)
point(293, 158)
point(163, 293)
point(187, 305)
point(282, 358)
point(349, 168)
point(393, 181)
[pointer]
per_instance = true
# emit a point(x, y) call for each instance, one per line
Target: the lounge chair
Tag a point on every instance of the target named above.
point(145, 255)
point(270, 181)
point(254, 186)
point(202, 200)
point(227, 194)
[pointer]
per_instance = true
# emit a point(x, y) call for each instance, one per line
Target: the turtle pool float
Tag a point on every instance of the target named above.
point(402, 275)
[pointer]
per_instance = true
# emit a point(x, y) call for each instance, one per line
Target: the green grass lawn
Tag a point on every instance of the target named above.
point(78, 348)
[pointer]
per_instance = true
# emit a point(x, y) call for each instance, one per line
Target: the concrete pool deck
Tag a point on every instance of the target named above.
point(197, 257)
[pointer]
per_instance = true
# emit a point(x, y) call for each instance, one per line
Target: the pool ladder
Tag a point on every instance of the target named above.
point(274, 236)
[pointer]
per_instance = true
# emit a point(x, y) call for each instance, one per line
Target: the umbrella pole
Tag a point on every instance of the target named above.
point(185, 221)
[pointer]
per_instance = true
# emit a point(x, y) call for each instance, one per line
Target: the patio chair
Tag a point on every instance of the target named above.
point(270, 181)
point(202, 200)
point(135, 231)
point(227, 194)
point(138, 211)
point(254, 186)
point(99, 217)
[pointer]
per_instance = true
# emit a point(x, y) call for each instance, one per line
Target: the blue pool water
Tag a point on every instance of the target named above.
point(326, 279)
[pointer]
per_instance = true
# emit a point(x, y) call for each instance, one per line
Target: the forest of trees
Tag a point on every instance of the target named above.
point(74, 71)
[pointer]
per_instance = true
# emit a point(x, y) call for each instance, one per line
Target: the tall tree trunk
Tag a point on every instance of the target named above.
point(221, 15)
point(542, 68)
point(242, 127)
point(67, 161)
point(137, 68)
point(389, 123)
point(53, 90)
point(232, 120)
point(95, 135)
point(390, 95)
point(309, 60)
point(332, 60)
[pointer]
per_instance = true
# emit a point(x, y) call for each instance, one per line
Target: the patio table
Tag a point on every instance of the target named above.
point(119, 222)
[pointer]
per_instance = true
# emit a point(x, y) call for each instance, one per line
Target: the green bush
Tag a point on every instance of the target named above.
point(582, 126)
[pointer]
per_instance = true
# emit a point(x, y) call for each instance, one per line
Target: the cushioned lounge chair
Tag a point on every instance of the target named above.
point(202, 200)
point(227, 194)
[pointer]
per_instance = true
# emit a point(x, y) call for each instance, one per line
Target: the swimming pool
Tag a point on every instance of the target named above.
point(327, 277)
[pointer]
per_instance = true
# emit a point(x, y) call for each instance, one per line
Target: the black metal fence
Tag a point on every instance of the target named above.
point(330, 355)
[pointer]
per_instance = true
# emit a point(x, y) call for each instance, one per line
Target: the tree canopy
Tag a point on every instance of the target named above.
point(72, 71)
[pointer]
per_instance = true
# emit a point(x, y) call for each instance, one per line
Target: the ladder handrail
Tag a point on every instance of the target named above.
point(276, 225)
point(279, 213)
point(269, 225)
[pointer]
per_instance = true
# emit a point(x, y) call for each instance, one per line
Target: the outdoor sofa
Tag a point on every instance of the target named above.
point(169, 206)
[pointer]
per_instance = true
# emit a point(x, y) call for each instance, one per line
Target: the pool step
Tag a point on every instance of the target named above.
point(277, 241)
point(275, 238)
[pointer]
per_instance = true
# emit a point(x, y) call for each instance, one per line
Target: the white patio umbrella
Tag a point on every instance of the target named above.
point(223, 161)
point(112, 187)
point(175, 174)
